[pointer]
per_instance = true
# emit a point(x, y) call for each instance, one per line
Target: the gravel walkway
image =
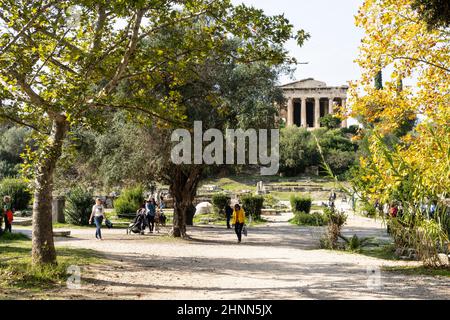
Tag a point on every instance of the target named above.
point(275, 261)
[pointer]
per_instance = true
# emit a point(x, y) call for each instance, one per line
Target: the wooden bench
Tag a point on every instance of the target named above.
point(269, 212)
point(61, 233)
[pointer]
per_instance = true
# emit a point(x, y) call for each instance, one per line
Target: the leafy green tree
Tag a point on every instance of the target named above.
point(12, 145)
point(330, 122)
point(62, 65)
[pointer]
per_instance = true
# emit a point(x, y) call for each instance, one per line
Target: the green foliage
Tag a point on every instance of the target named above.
point(270, 201)
point(336, 219)
point(252, 205)
point(78, 207)
point(301, 203)
point(378, 81)
point(219, 201)
point(355, 243)
point(298, 150)
point(12, 143)
point(309, 219)
point(18, 190)
point(368, 209)
point(330, 122)
point(352, 130)
point(129, 201)
point(435, 12)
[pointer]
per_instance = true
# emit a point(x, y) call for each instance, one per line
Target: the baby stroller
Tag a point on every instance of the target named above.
point(138, 225)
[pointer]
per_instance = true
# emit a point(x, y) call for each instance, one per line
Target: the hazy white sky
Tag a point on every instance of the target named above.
point(334, 41)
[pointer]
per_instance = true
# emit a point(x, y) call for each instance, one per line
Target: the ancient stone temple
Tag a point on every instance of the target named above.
point(309, 100)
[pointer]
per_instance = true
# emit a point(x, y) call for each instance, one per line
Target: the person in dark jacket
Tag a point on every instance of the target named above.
point(228, 214)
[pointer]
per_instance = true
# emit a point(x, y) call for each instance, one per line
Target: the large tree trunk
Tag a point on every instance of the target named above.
point(43, 251)
point(183, 189)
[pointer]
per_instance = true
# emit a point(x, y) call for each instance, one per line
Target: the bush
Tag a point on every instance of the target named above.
point(18, 190)
point(253, 205)
point(219, 201)
point(336, 220)
point(129, 201)
point(309, 219)
point(270, 201)
point(78, 206)
point(301, 204)
point(330, 122)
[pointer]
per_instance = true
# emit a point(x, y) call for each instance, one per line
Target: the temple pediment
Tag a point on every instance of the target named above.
point(304, 84)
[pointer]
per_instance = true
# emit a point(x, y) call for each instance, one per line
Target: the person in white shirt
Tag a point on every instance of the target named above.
point(98, 214)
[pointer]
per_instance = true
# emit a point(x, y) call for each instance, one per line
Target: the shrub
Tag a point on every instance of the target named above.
point(219, 201)
point(270, 201)
point(78, 206)
point(356, 243)
point(129, 201)
point(253, 205)
point(309, 219)
point(336, 220)
point(369, 210)
point(301, 204)
point(18, 190)
point(330, 121)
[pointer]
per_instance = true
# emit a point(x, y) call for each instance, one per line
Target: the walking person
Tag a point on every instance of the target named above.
point(238, 221)
point(228, 214)
point(8, 215)
point(151, 212)
point(97, 215)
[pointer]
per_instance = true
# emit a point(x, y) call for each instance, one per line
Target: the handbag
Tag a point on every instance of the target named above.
point(244, 230)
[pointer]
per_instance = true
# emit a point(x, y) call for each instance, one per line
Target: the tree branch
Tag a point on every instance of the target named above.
point(421, 60)
point(128, 53)
point(101, 20)
point(145, 111)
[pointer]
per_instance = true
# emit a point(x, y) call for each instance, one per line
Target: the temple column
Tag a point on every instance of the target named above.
point(316, 112)
point(290, 112)
point(330, 106)
point(303, 113)
point(344, 122)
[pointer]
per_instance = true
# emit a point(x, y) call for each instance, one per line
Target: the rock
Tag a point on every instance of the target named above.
point(204, 208)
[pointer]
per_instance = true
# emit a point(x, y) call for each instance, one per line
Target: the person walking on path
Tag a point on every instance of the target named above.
point(238, 221)
point(8, 215)
point(151, 212)
point(228, 214)
point(98, 214)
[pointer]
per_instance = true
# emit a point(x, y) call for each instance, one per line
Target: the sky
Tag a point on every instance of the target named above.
point(334, 41)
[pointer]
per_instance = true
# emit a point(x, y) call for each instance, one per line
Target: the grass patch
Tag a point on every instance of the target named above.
point(17, 272)
point(314, 219)
point(385, 252)
point(419, 270)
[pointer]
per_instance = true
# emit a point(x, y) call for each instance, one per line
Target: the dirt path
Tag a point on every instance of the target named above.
point(276, 261)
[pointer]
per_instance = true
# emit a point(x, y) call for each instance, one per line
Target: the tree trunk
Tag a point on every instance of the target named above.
point(43, 249)
point(183, 189)
point(190, 212)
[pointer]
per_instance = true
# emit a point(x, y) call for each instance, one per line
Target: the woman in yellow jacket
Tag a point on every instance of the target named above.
point(238, 220)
